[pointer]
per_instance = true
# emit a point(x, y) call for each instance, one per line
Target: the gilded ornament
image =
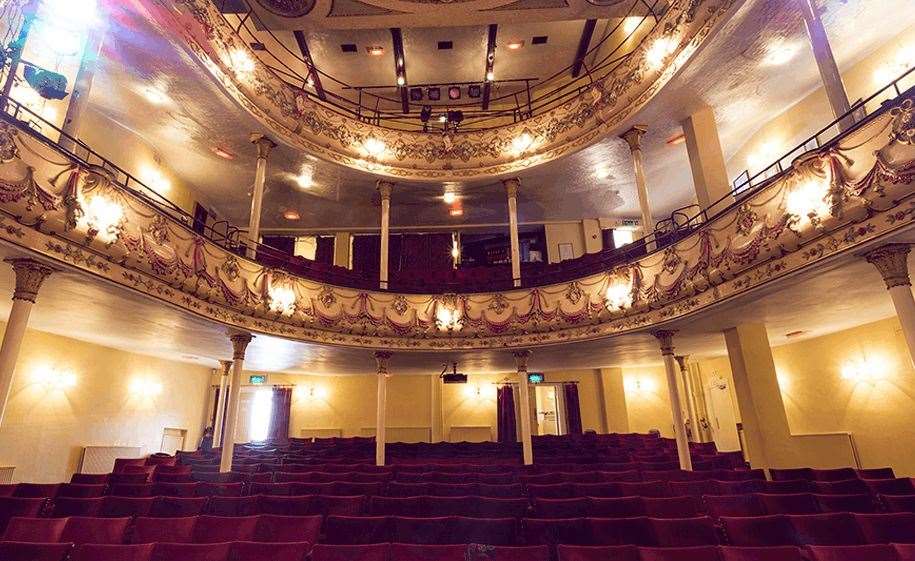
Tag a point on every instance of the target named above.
point(9, 151)
point(904, 122)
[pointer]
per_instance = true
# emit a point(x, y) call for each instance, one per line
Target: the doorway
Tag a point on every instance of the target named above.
point(546, 402)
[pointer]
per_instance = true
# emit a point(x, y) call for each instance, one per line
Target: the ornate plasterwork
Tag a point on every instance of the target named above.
point(301, 121)
point(288, 8)
point(862, 191)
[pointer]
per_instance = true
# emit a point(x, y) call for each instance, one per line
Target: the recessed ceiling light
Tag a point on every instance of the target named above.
point(401, 81)
point(223, 153)
point(515, 44)
point(602, 172)
point(449, 197)
point(490, 76)
point(375, 50)
point(676, 139)
point(291, 215)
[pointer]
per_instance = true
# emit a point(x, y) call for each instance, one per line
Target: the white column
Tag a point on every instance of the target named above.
point(826, 62)
point(892, 262)
point(706, 160)
point(382, 359)
point(690, 397)
point(511, 189)
point(79, 98)
point(633, 137)
point(239, 346)
point(264, 146)
point(437, 422)
point(30, 274)
point(676, 408)
point(524, 405)
point(221, 402)
point(384, 188)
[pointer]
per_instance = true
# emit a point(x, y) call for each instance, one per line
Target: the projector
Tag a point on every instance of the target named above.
point(454, 377)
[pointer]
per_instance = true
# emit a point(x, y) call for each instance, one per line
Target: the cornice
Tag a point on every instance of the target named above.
point(865, 185)
point(296, 118)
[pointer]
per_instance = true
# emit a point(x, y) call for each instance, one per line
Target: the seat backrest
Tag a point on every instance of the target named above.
point(788, 474)
point(256, 488)
point(836, 528)
point(759, 531)
point(553, 490)
point(699, 553)
point(597, 553)
point(694, 488)
point(275, 528)
point(851, 553)
point(646, 489)
point(19, 551)
point(98, 552)
point(554, 531)
point(19, 506)
point(174, 530)
point(258, 551)
point(843, 487)
point(344, 506)
point(616, 507)
point(357, 530)
point(876, 473)
point(131, 489)
point(36, 490)
point(398, 506)
point(670, 507)
point(563, 508)
point(373, 552)
point(90, 478)
point(783, 553)
point(75, 506)
point(237, 506)
point(895, 503)
point(34, 530)
point(487, 531)
point(862, 503)
point(85, 529)
point(80, 490)
point(604, 490)
point(789, 503)
point(733, 505)
point(621, 531)
point(125, 506)
point(835, 474)
point(684, 532)
point(898, 486)
point(191, 552)
point(217, 529)
point(887, 528)
point(178, 506)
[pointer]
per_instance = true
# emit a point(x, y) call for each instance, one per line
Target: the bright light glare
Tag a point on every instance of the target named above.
point(449, 197)
point(630, 24)
point(53, 379)
point(374, 146)
point(305, 178)
point(155, 179)
point(662, 48)
point(241, 61)
point(808, 197)
point(448, 318)
point(74, 14)
point(145, 387)
point(522, 142)
point(619, 294)
point(103, 215)
point(261, 411)
point(780, 52)
point(869, 370)
point(282, 300)
point(60, 40)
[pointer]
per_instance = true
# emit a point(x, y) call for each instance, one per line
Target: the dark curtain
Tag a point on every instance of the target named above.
point(325, 250)
point(215, 408)
point(505, 405)
point(279, 417)
point(366, 254)
point(573, 408)
point(283, 244)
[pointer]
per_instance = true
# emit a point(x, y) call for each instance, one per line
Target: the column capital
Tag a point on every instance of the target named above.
point(512, 184)
point(385, 188)
point(666, 339)
point(892, 262)
point(240, 342)
point(226, 366)
point(264, 145)
point(633, 137)
point(521, 359)
point(30, 275)
point(383, 361)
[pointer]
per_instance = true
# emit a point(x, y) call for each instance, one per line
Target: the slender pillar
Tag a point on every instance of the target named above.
point(892, 262)
point(690, 398)
point(665, 338)
point(382, 359)
point(437, 421)
point(634, 138)
point(342, 242)
point(511, 189)
point(706, 160)
point(524, 405)
point(239, 346)
point(30, 274)
point(221, 402)
point(385, 188)
point(264, 146)
point(82, 86)
point(826, 62)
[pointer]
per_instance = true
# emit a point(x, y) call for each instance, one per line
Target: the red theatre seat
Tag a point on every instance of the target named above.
point(555, 531)
point(597, 553)
point(217, 529)
point(374, 552)
point(190, 552)
point(19, 506)
point(80, 491)
point(125, 506)
point(69, 506)
point(19, 551)
point(893, 503)
point(357, 530)
point(174, 530)
point(760, 554)
point(701, 553)
point(852, 553)
point(684, 532)
point(733, 505)
point(887, 528)
point(36, 490)
point(826, 529)
point(794, 503)
point(259, 551)
point(464, 552)
point(621, 531)
point(759, 531)
point(73, 530)
point(177, 506)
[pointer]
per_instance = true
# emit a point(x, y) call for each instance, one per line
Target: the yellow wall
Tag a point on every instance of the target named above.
point(562, 233)
point(46, 426)
point(647, 399)
point(810, 114)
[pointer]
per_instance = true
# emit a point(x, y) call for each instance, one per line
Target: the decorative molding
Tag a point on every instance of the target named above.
point(666, 340)
point(866, 185)
point(240, 343)
point(633, 137)
point(264, 145)
point(226, 366)
point(305, 123)
point(30, 275)
point(288, 8)
point(892, 260)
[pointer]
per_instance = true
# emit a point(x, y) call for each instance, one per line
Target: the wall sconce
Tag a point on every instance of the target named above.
point(282, 299)
point(639, 385)
point(102, 217)
point(618, 296)
point(473, 391)
point(52, 379)
point(311, 392)
point(869, 371)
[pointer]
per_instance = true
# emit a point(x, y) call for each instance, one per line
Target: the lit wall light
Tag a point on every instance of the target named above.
point(305, 179)
point(639, 385)
point(145, 388)
point(780, 52)
point(449, 197)
point(375, 50)
point(374, 147)
point(659, 51)
point(103, 216)
point(896, 67)
point(808, 198)
point(292, 214)
point(602, 172)
point(401, 81)
point(155, 95)
point(52, 379)
point(619, 294)
point(311, 392)
point(515, 44)
point(490, 76)
point(869, 371)
point(630, 24)
point(473, 391)
point(241, 62)
point(455, 212)
point(282, 299)
point(153, 177)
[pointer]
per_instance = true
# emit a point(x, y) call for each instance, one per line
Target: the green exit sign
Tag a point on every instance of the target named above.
point(258, 380)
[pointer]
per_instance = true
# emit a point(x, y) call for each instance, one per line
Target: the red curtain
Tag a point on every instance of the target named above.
point(505, 405)
point(573, 408)
point(279, 417)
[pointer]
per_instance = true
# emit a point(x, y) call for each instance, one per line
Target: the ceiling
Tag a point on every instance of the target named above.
point(726, 74)
point(125, 320)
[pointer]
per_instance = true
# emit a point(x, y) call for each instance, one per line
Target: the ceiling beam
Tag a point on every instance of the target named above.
point(310, 63)
point(400, 68)
point(586, 34)
point(490, 63)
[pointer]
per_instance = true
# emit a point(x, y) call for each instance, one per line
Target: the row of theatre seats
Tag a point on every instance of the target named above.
point(586, 499)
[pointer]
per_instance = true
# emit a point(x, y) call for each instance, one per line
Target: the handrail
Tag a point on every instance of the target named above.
point(547, 274)
point(250, 22)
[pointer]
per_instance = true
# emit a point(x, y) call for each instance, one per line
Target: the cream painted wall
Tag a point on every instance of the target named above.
point(46, 426)
point(647, 400)
point(807, 116)
point(562, 233)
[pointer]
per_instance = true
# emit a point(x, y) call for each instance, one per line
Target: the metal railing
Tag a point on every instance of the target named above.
point(366, 105)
